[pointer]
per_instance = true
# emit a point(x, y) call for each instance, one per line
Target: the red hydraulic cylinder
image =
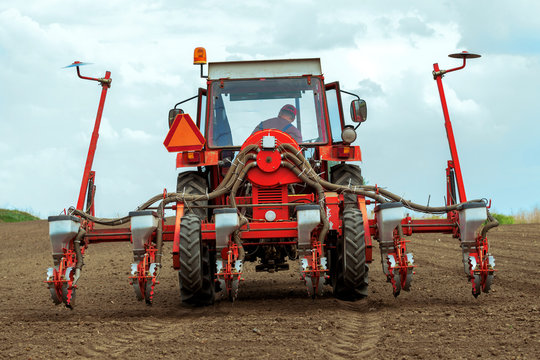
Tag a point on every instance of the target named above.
point(105, 84)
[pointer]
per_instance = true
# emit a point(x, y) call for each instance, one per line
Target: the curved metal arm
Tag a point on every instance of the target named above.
point(442, 72)
point(462, 55)
point(105, 81)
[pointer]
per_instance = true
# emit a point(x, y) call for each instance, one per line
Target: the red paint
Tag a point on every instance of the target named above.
point(206, 158)
point(184, 135)
point(281, 176)
point(367, 233)
point(337, 153)
point(105, 85)
point(176, 238)
point(450, 132)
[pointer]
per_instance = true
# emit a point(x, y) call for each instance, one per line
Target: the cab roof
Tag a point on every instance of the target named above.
point(264, 68)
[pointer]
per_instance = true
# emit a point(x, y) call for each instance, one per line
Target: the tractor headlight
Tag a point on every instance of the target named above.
point(348, 134)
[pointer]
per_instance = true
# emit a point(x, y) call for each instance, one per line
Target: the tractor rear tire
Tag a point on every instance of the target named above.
point(350, 274)
point(345, 175)
point(195, 275)
point(194, 183)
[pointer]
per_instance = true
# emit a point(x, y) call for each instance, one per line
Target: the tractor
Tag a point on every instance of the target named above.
point(269, 175)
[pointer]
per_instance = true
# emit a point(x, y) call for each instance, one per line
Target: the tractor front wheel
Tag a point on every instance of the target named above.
point(195, 275)
point(350, 273)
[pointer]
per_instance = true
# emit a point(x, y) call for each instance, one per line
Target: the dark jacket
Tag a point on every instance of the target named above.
point(280, 124)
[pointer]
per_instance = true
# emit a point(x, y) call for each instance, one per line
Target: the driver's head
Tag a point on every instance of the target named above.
point(288, 112)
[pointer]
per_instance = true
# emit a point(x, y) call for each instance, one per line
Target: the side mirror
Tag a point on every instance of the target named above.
point(358, 110)
point(172, 115)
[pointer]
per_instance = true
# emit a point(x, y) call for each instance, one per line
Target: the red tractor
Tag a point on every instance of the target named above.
point(268, 179)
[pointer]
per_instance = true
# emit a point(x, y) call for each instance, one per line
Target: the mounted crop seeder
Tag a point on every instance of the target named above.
point(268, 179)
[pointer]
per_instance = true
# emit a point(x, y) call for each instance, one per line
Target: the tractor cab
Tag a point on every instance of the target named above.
point(243, 97)
point(240, 101)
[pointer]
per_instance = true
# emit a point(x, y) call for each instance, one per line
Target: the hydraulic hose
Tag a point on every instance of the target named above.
point(236, 237)
point(238, 181)
point(243, 220)
point(298, 164)
point(159, 241)
point(231, 184)
point(78, 254)
point(298, 158)
point(224, 188)
point(492, 222)
point(239, 160)
point(326, 184)
point(176, 197)
point(320, 191)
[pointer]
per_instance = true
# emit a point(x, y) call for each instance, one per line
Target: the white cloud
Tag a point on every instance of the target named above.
point(140, 74)
point(384, 51)
point(107, 131)
point(465, 106)
point(414, 25)
point(136, 135)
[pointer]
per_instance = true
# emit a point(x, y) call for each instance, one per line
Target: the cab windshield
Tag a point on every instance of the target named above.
point(239, 108)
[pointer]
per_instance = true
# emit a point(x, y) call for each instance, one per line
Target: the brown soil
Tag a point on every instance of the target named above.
point(273, 317)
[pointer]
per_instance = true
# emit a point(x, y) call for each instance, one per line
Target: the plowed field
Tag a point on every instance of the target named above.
point(273, 317)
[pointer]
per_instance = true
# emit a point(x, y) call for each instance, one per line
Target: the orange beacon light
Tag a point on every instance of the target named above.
point(199, 56)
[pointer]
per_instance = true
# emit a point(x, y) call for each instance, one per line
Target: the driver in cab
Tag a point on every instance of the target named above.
point(283, 122)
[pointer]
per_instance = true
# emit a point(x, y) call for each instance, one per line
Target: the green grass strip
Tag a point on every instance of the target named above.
point(15, 216)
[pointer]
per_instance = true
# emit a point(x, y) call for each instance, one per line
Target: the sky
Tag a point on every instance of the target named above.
point(382, 50)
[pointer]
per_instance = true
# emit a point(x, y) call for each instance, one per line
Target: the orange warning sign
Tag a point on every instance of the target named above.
point(184, 135)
